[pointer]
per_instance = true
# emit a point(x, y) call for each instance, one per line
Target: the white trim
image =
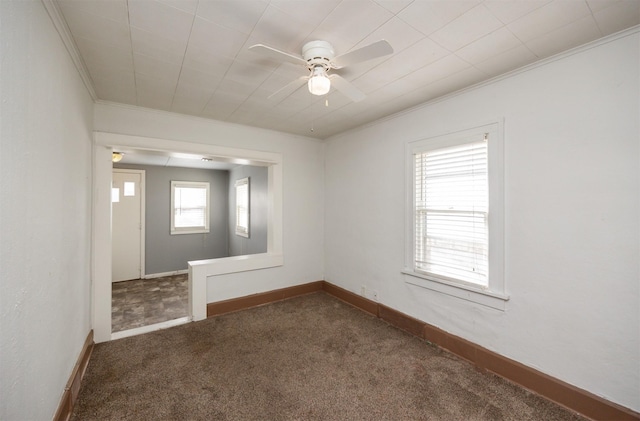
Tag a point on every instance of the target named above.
point(104, 143)
point(150, 328)
point(67, 39)
point(235, 264)
point(495, 294)
point(199, 271)
point(101, 244)
point(477, 295)
point(164, 274)
point(181, 149)
point(200, 229)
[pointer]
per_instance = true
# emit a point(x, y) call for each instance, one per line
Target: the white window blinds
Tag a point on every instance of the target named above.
point(242, 207)
point(190, 207)
point(451, 213)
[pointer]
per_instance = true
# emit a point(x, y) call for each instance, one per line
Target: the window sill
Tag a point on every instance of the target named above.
point(481, 296)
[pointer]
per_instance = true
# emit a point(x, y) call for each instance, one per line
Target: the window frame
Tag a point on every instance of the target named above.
point(241, 230)
point(192, 229)
point(493, 295)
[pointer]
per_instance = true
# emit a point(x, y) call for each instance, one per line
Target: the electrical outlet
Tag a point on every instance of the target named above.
point(375, 295)
point(363, 291)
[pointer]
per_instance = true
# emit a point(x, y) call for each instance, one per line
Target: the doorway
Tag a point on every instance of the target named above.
point(140, 297)
point(104, 145)
point(137, 302)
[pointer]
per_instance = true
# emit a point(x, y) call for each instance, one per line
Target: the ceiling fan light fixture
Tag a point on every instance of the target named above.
point(319, 83)
point(318, 57)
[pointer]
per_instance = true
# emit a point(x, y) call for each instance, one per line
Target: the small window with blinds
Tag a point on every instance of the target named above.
point(242, 207)
point(189, 207)
point(455, 214)
point(451, 212)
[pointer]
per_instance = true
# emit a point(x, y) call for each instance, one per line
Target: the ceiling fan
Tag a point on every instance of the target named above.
point(319, 58)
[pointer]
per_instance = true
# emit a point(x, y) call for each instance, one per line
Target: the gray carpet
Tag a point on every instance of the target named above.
point(307, 358)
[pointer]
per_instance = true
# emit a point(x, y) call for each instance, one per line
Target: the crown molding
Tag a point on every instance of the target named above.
point(65, 35)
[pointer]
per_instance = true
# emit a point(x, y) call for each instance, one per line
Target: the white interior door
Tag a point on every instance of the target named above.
point(127, 224)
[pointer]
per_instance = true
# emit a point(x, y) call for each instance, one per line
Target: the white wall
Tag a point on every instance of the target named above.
point(45, 201)
point(572, 217)
point(303, 169)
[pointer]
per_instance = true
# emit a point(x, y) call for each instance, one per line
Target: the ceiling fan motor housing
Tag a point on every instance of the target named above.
point(318, 53)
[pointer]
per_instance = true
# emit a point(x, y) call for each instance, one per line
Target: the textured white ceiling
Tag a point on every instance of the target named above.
point(191, 56)
point(166, 159)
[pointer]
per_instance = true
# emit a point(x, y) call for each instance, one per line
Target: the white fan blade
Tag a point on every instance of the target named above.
point(344, 86)
point(276, 54)
point(369, 52)
point(288, 89)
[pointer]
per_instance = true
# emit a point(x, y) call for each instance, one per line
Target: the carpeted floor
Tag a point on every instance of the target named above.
point(307, 358)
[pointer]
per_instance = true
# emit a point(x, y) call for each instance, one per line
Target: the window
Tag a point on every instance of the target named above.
point(129, 188)
point(455, 212)
point(115, 195)
point(189, 207)
point(242, 207)
point(451, 209)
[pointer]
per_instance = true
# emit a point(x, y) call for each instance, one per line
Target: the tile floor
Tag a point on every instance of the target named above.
point(143, 302)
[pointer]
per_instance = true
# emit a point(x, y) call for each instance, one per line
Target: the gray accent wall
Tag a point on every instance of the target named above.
point(258, 187)
point(165, 252)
